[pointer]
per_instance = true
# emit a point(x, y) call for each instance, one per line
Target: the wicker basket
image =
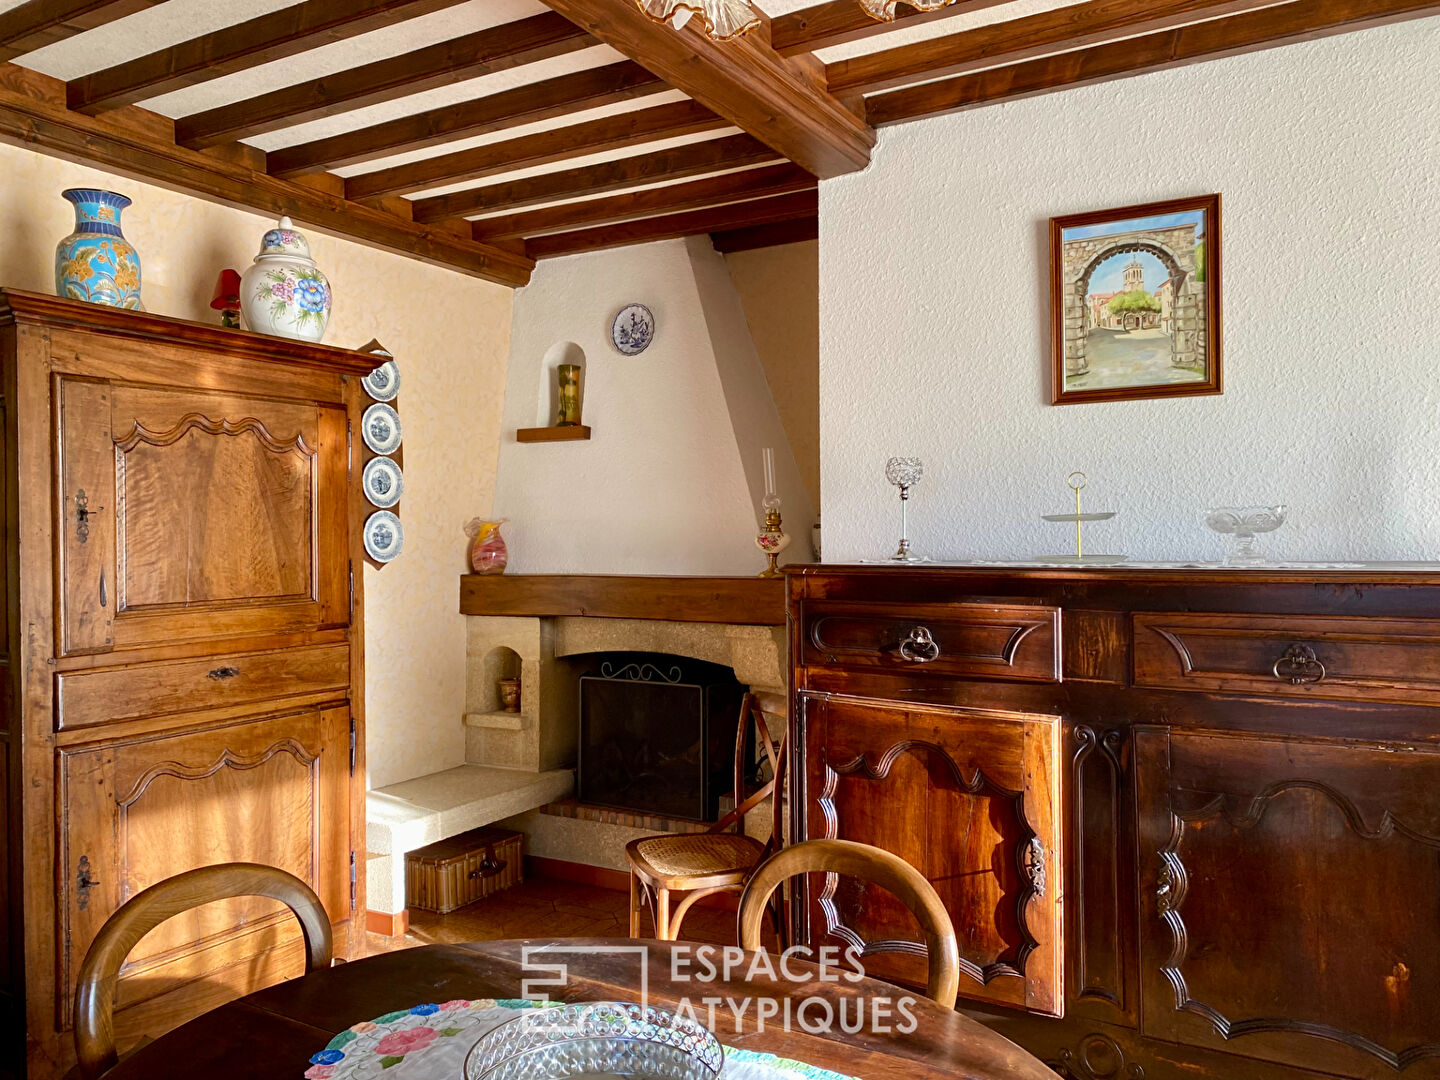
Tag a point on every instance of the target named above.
point(449, 874)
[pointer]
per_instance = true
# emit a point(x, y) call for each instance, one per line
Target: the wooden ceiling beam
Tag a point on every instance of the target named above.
point(751, 237)
point(32, 115)
point(716, 219)
point(744, 81)
point(1014, 40)
point(1287, 24)
point(541, 148)
point(544, 100)
point(38, 23)
point(714, 155)
point(839, 21)
point(647, 202)
point(484, 52)
point(275, 36)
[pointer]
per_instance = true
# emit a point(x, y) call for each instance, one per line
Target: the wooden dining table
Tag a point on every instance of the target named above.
point(274, 1032)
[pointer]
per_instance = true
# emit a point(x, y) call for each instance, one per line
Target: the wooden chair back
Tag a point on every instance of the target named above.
point(871, 864)
point(95, 994)
point(752, 713)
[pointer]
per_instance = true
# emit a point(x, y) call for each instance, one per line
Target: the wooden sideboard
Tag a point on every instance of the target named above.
point(181, 653)
point(1186, 822)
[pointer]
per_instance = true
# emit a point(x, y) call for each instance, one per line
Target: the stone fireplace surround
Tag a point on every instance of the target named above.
point(517, 764)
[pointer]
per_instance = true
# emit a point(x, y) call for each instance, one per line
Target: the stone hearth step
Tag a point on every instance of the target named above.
point(408, 815)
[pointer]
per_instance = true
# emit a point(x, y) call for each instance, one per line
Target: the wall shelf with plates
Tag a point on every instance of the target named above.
point(553, 434)
point(381, 460)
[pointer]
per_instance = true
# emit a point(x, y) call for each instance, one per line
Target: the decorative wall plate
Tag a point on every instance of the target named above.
point(383, 482)
point(380, 427)
point(383, 383)
point(384, 536)
point(633, 329)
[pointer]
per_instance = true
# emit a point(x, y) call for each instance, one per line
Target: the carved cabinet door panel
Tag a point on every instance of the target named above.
point(970, 798)
point(136, 811)
point(189, 513)
point(1289, 899)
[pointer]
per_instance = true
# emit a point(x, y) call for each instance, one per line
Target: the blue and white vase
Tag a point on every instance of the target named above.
point(96, 263)
point(284, 293)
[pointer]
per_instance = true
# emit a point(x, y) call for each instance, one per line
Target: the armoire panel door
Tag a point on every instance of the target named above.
point(190, 513)
point(970, 798)
point(1289, 898)
point(136, 811)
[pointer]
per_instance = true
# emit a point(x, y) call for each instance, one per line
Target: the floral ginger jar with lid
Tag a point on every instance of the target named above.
point(284, 293)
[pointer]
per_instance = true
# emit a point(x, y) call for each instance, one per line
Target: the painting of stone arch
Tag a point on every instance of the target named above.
point(1135, 302)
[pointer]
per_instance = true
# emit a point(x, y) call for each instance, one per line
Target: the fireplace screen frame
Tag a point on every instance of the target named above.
point(717, 701)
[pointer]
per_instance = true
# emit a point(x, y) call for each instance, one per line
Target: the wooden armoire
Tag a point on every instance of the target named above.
point(182, 653)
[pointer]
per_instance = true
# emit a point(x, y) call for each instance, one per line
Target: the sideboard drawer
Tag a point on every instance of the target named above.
point(107, 695)
point(1381, 660)
point(986, 641)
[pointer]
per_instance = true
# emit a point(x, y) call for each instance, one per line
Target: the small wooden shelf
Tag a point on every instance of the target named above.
point(552, 434)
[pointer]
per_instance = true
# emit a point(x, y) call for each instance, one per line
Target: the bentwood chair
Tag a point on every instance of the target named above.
point(873, 864)
point(95, 994)
point(697, 865)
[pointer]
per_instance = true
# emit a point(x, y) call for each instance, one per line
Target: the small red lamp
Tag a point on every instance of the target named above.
point(227, 298)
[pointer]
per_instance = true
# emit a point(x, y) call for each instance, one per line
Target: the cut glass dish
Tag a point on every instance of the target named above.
point(596, 1039)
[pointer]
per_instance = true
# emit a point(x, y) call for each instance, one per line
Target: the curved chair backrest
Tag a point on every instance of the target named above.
point(871, 864)
point(95, 993)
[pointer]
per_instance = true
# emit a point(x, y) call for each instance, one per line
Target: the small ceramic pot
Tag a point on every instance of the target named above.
point(95, 263)
point(509, 694)
point(488, 554)
point(283, 292)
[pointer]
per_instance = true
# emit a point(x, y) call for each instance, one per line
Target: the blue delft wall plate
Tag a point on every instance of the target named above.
point(633, 329)
point(380, 428)
point(384, 536)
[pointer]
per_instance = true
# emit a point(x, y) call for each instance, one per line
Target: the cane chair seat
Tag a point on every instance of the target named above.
point(696, 857)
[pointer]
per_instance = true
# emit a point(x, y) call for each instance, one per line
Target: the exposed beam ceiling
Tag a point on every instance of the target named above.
point(1303, 20)
point(544, 100)
point(732, 152)
point(570, 156)
point(275, 36)
point(760, 212)
point(38, 23)
point(750, 237)
point(647, 202)
point(32, 114)
point(542, 148)
point(1008, 42)
point(744, 81)
point(485, 52)
point(838, 21)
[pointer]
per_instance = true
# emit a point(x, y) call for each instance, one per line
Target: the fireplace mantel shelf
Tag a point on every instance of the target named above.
point(745, 601)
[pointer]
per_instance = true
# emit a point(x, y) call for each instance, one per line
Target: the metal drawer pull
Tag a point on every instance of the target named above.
point(919, 647)
point(1299, 665)
point(223, 673)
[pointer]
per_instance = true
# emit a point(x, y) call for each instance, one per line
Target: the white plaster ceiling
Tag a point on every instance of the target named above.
point(173, 21)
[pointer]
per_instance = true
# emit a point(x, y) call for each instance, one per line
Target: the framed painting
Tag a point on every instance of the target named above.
point(1135, 302)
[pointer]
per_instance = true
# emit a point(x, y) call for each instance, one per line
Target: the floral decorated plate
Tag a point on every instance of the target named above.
point(380, 428)
point(383, 482)
point(384, 536)
point(633, 329)
point(383, 384)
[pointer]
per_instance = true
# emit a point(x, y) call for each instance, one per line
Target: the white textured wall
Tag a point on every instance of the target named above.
point(670, 481)
point(934, 312)
point(450, 334)
point(780, 289)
